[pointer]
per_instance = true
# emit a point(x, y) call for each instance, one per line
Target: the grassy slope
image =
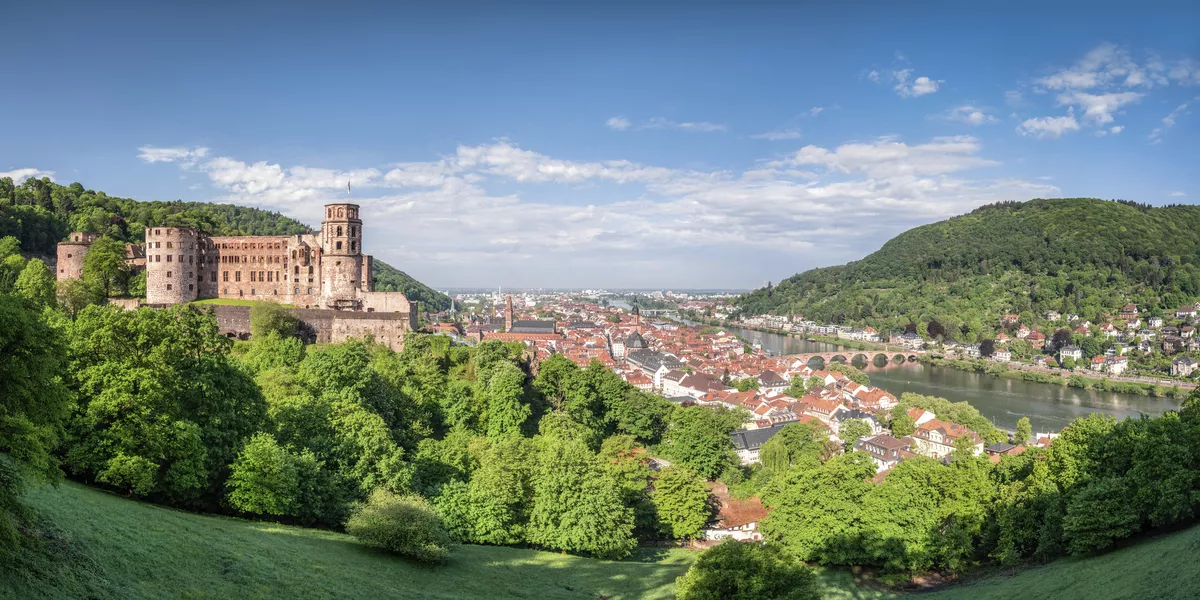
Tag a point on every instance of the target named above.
point(116, 548)
point(145, 551)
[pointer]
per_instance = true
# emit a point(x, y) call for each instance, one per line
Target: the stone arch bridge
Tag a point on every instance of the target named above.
point(869, 356)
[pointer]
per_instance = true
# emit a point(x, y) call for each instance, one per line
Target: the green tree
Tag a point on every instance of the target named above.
point(34, 404)
point(1024, 431)
point(902, 423)
point(268, 317)
point(74, 295)
point(682, 502)
point(36, 283)
point(576, 507)
point(736, 571)
point(264, 479)
point(104, 267)
point(851, 430)
point(851, 372)
point(698, 437)
point(818, 515)
point(1099, 515)
point(506, 412)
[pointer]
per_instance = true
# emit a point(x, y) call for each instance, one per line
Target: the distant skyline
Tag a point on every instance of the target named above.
point(617, 145)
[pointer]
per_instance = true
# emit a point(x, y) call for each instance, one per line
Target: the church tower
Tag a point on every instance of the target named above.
point(342, 261)
point(508, 315)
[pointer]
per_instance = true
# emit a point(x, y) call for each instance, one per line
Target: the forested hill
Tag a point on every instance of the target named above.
point(41, 213)
point(1072, 255)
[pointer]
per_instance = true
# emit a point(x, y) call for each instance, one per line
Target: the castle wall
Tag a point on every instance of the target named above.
point(325, 326)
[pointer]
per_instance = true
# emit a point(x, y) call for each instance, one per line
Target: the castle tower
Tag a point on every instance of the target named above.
point(71, 253)
point(508, 315)
point(172, 271)
point(637, 316)
point(342, 262)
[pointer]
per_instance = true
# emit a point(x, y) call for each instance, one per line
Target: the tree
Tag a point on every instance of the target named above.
point(405, 525)
point(698, 437)
point(506, 411)
point(576, 507)
point(682, 502)
point(745, 385)
point(987, 348)
point(1068, 363)
point(817, 515)
point(736, 571)
point(852, 430)
point(34, 404)
point(264, 478)
point(74, 295)
point(104, 267)
point(1099, 515)
point(936, 329)
point(805, 444)
point(35, 283)
point(902, 423)
point(1024, 431)
point(1060, 339)
point(851, 372)
point(268, 317)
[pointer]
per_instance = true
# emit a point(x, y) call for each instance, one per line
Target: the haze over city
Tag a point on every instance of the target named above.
point(681, 145)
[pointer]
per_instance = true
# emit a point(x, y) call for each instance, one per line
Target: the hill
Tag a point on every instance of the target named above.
point(1072, 255)
point(105, 546)
point(41, 213)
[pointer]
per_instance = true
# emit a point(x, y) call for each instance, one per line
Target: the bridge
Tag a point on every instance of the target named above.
point(868, 356)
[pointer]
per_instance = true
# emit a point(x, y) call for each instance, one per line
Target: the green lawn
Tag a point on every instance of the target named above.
point(238, 302)
point(111, 547)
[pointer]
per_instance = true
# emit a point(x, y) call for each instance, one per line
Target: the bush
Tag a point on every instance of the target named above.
point(736, 571)
point(405, 525)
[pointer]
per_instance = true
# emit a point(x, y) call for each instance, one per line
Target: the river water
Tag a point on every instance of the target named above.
point(1049, 407)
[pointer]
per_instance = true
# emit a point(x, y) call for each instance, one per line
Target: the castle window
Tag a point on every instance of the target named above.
point(237, 276)
point(253, 274)
point(191, 287)
point(168, 244)
point(275, 292)
point(180, 259)
point(214, 276)
point(260, 276)
point(241, 293)
point(277, 276)
point(168, 273)
point(269, 277)
point(310, 290)
point(157, 232)
point(339, 245)
point(68, 255)
point(310, 272)
point(253, 292)
point(168, 258)
point(293, 255)
point(297, 269)
point(354, 246)
point(339, 230)
point(352, 229)
point(225, 276)
point(168, 287)
point(297, 291)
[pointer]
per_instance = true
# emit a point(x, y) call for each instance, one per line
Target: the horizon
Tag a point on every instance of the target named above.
point(616, 147)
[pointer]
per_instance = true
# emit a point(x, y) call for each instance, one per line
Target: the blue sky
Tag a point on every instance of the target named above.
point(609, 144)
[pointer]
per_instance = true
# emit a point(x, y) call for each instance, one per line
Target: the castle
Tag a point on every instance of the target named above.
point(324, 271)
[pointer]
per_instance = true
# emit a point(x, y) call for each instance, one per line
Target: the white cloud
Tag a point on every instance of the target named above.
point(1105, 65)
point(1176, 194)
point(886, 157)
point(617, 123)
point(779, 134)
point(620, 123)
point(816, 110)
point(489, 210)
point(1115, 129)
point(874, 76)
point(971, 115)
point(1169, 121)
point(20, 175)
point(663, 123)
point(1098, 108)
point(1049, 127)
point(917, 87)
point(177, 154)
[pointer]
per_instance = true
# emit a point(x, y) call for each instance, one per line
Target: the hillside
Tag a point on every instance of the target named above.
point(1073, 255)
point(111, 547)
point(41, 213)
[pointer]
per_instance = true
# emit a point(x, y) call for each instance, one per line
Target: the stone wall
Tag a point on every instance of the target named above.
point(70, 260)
point(325, 326)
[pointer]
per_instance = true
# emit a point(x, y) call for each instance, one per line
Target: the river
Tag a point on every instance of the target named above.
point(1049, 407)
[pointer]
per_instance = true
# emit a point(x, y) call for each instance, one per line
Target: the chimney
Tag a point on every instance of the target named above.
point(508, 315)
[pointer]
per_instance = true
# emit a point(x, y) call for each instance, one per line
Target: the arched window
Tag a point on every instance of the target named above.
point(339, 245)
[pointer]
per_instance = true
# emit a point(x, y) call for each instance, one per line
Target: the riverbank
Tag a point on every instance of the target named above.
point(1178, 390)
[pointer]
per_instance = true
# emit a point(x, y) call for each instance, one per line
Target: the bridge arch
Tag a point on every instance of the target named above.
point(838, 358)
point(879, 360)
point(899, 358)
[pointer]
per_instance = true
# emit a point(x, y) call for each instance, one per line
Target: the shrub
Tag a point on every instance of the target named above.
point(405, 525)
point(737, 571)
